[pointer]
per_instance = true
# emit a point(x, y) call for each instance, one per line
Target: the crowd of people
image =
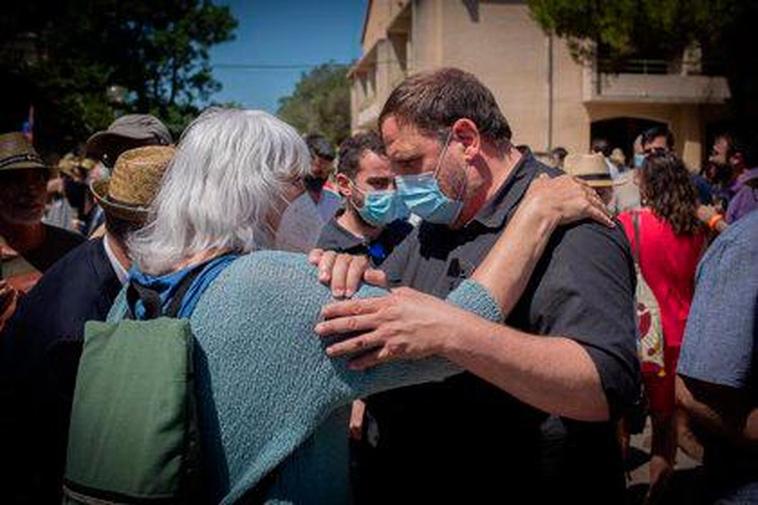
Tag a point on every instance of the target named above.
point(443, 318)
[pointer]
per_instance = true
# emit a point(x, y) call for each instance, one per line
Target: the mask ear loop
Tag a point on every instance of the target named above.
point(359, 190)
point(443, 153)
point(461, 187)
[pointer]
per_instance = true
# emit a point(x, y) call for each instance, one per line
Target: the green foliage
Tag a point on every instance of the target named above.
point(662, 29)
point(62, 56)
point(320, 103)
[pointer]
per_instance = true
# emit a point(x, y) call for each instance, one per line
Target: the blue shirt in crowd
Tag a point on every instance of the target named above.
point(721, 344)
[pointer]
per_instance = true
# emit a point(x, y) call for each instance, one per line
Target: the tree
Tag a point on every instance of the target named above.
point(723, 29)
point(62, 55)
point(320, 103)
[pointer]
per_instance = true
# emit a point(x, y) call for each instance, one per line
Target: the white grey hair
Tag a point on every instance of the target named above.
point(231, 169)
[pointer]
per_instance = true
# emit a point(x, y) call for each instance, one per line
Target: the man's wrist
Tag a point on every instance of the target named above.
point(539, 216)
point(458, 340)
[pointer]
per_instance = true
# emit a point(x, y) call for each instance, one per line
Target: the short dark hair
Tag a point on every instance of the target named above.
point(434, 100)
point(121, 229)
point(353, 148)
point(560, 153)
point(601, 145)
point(319, 146)
point(653, 133)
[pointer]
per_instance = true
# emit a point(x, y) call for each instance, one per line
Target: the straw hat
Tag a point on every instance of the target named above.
point(136, 178)
point(589, 167)
point(16, 152)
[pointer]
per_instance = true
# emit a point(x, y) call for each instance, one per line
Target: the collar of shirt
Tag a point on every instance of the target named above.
point(347, 238)
point(121, 272)
point(497, 209)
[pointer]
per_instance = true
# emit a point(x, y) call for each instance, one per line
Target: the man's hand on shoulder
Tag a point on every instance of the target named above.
point(343, 273)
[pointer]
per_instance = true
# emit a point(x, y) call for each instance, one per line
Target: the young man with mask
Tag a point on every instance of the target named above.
point(567, 348)
point(372, 221)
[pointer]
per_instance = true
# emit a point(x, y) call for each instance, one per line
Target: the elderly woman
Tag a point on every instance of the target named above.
point(273, 406)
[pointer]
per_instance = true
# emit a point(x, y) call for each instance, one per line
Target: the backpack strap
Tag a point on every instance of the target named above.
point(152, 300)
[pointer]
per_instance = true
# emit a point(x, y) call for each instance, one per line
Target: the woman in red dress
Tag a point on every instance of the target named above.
point(671, 240)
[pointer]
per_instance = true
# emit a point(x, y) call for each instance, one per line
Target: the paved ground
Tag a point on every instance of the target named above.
point(683, 489)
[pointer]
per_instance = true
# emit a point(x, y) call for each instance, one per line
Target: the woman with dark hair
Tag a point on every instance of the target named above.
point(667, 244)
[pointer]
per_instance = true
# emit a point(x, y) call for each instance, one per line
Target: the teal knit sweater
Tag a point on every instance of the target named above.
point(269, 397)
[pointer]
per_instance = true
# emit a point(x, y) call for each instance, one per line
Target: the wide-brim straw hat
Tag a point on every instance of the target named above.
point(591, 168)
point(136, 179)
point(16, 153)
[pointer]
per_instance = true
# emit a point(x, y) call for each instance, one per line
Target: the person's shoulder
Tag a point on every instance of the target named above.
point(76, 265)
point(267, 271)
point(593, 239)
point(59, 235)
point(740, 239)
point(741, 233)
point(73, 283)
point(334, 237)
point(399, 230)
point(533, 164)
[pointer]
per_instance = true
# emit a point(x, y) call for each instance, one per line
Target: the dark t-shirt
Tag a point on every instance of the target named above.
point(39, 356)
point(334, 237)
point(465, 435)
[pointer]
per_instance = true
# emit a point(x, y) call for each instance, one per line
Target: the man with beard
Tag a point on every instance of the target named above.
point(567, 348)
point(372, 222)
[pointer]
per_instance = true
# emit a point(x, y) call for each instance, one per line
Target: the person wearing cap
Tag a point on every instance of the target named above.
point(322, 158)
point(42, 341)
point(28, 246)
point(127, 132)
point(593, 169)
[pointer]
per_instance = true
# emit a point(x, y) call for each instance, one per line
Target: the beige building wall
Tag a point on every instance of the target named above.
point(549, 99)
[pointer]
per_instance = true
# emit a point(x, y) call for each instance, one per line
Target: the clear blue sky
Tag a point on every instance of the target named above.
point(283, 32)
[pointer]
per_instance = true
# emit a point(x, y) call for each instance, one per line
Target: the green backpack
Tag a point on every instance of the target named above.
point(133, 436)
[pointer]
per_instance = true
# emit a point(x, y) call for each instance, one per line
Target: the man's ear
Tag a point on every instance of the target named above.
point(466, 132)
point(343, 185)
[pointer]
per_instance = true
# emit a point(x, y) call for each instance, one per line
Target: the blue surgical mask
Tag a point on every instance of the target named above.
point(639, 159)
point(422, 195)
point(381, 207)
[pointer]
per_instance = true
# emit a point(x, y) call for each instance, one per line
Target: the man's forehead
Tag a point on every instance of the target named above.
point(374, 165)
point(401, 137)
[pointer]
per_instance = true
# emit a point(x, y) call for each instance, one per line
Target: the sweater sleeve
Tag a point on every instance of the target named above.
point(469, 296)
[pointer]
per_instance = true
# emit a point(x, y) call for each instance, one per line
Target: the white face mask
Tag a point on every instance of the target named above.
point(299, 226)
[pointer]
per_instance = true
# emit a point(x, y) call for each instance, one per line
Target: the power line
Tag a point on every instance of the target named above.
point(295, 66)
point(264, 66)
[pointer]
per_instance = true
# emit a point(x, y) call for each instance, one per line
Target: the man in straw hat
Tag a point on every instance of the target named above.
point(42, 342)
point(127, 132)
point(28, 247)
point(593, 169)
